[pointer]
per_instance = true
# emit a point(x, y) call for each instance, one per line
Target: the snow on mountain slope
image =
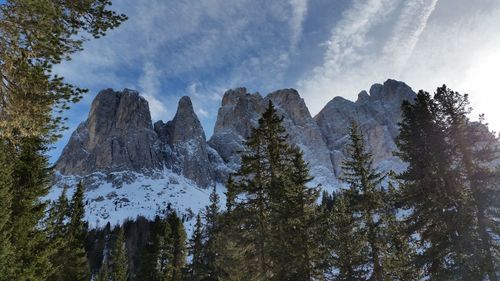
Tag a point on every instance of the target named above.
point(146, 196)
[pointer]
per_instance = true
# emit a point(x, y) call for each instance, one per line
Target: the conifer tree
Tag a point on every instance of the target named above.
point(434, 190)
point(178, 253)
point(366, 197)
point(165, 249)
point(57, 227)
point(349, 251)
point(155, 254)
point(485, 187)
point(195, 250)
point(272, 181)
point(401, 250)
point(31, 100)
point(212, 246)
point(76, 265)
point(30, 181)
point(103, 274)
point(473, 148)
point(297, 220)
point(119, 258)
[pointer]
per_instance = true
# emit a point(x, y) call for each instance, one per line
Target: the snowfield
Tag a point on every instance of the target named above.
point(146, 196)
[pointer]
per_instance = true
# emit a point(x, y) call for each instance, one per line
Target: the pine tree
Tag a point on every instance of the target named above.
point(165, 249)
point(30, 182)
point(212, 246)
point(297, 220)
point(401, 249)
point(272, 200)
point(119, 258)
point(103, 274)
point(434, 190)
point(196, 247)
point(485, 188)
point(32, 96)
point(6, 249)
point(473, 148)
point(178, 253)
point(365, 194)
point(349, 251)
point(76, 265)
point(57, 227)
point(155, 254)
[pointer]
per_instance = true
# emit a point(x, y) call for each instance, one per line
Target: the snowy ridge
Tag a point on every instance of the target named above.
point(146, 196)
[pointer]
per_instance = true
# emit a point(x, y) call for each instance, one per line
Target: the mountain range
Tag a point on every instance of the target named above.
point(131, 166)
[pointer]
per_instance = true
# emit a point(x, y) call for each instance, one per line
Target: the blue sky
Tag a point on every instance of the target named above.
point(323, 48)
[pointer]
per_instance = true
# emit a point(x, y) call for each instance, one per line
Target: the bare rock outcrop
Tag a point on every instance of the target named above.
point(117, 135)
point(377, 114)
point(187, 144)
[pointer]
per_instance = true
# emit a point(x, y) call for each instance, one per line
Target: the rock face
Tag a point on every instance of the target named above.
point(240, 112)
point(304, 132)
point(187, 143)
point(117, 136)
point(377, 114)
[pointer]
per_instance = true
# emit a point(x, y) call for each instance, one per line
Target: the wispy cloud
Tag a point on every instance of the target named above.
point(299, 12)
point(410, 24)
point(371, 43)
point(149, 84)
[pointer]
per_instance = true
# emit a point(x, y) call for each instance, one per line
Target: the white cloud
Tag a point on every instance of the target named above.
point(299, 12)
point(359, 54)
point(410, 24)
point(149, 84)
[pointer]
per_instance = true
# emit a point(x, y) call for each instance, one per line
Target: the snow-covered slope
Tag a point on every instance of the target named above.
point(146, 195)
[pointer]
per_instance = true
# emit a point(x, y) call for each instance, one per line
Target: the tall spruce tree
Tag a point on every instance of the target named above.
point(296, 217)
point(156, 253)
point(212, 245)
point(261, 164)
point(473, 148)
point(347, 244)
point(76, 266)
point(275, 200)
point(365, 195)
point(30, 181)
point(178, 254)
point(484, 179)
point(57, 227)
point(103, 274)
point(434, 192)
point(119, 258)
point(197, 266)
point(163, 259)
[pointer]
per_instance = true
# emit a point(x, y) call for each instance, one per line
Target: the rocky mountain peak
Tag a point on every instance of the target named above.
point(185, 126)
point(391, 90)
point(377, 114)
point(231, 96)
point(240, 112)
point(116, 136)
point(186, 139)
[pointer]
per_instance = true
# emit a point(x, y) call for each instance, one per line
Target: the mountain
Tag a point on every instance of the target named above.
point(132, 167)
